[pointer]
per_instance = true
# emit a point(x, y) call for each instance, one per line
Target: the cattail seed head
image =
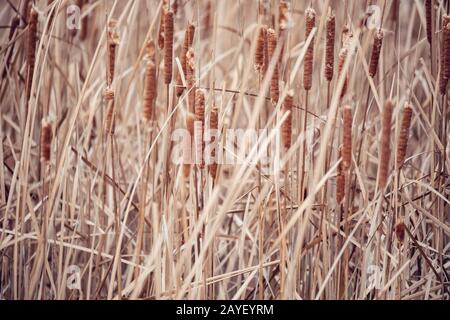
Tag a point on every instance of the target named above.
point(308, 64)
point(164, 9)
point(376, 49)
point(187, 43)
point(342, 58)
point(31, 47)
point(46, 140)
point(168, 46)
point(400, 230)
point(283, 15)
point(402, 143)
point(329, 45)
point(444, 74)
point(286, 127)
point(199, 127)
point(347, 138)
point(271, 47)
point(108, 95)
point(429, 21)
point(261, 43)
point(385, 148)
point(149, 90)
point(340, 180)
point(113, 41)
point(190, 75)
point(190, 119)
point(213, 125)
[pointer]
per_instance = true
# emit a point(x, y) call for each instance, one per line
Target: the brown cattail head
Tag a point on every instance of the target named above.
point(113, 41)
point(108, 95)
point(329, 45)
point(213, 125)
point(376, 49)
point(444, 74)
point(31, 47)
point(286, 127)
point(340, 180)
point(46, 140)
point(168, 46)
point(188, 40)
point(308, 64)
point(402, 143)
point(164, 9)
point(188, 148)
point(400, 230)
point(199, 127)
point(429, 17)
point(271, 47)
point(347, 138)
point(283, 15)
point(261, 43)
point(190, 75)
point(385, 148)
point(342, 58)
point(149, 90)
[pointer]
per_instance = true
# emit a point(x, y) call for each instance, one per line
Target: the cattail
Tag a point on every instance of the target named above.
point(149, 90)
point(347, 138)
point(385, 149)
point(329, 45)
point(190, 75)
point(259, 53)
point(161, 33)
point(113, 41)
point(404, 135)
point(175, 6)
point(213, 125)
point(84, 21)
point(188, 148)
point(444, 74)
point(109, 120)
point(376, 49)
point(429, 17)
point(286, 127)
point(400, 230)
point(31, 47)
point(271, 47)
point(342, 58)
point(188, 40)
point(199, 127)
point(308, 64)
point(46, 140)
point(283, 15)
point(14, 24)
point(168, 47)
point(340, 180)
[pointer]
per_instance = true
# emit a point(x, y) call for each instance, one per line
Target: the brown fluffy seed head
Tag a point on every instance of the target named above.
point(283, 15)
point(402, 143)
point(286, 127)
point(347, 138)
point(400, 230)
point(329, 45)
point(340, 180)
point(385, 148)
point(213, 125)
point(444, 74)
point(260, 44)
point(271, 47)
point(428, 17)
point(342, 58)
point(149, 90)
point(199, 127)
point(31, 47)
point(376, 49)
point(113, 41)
point(46, 140)
point(168, 46)
point(190, 119)
point(187, 43)
point(164, 9)
point(190, 75)
point(308, 64)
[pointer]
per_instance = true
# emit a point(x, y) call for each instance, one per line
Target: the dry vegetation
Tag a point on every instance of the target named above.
point(358, 123)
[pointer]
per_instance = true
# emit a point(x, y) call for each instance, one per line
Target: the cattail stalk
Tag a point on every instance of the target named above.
point(213, 125)
point(444, 74)
point(190, 74)
point(309, 56)
point(113, 41)
point(329, 45)
point(109, 120)
point(342, 58)
point(188, 40)
point(340, 179)
point(199, 127)
point(402, 144)
point(429, 21)
point(385, 148)
point(271, 47)
point(168, 46)
point(376, 50)
point(286, 127)
point(347, 138)
point(31, 47)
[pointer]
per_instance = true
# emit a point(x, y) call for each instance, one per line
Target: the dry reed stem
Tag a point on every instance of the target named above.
point(402, 144)
point(385, 145)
